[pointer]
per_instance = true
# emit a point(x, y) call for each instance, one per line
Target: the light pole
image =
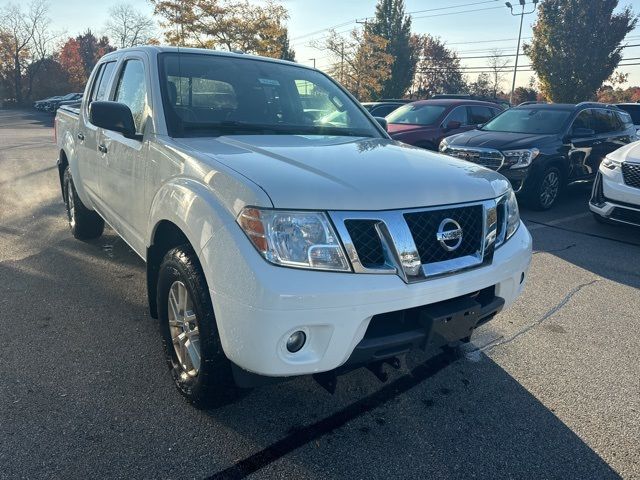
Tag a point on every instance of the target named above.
point(314, 62)
point(521, 14)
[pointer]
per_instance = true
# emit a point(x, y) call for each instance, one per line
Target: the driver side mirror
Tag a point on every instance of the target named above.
point(580, 132)
point(383, 123)
point(452, 125)
point(113, 116)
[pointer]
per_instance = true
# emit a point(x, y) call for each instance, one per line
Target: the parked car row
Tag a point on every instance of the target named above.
point(52, 104)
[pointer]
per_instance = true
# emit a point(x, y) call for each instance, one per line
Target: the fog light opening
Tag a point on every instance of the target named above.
point(296, 341)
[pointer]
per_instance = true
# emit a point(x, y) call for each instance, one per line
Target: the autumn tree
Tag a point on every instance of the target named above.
point(19, 27)
point(576, 46)
point(438, 69)
point(127, 27)
point(394, 26)
point(71, 60)
point(229, 24)
point(359, 62)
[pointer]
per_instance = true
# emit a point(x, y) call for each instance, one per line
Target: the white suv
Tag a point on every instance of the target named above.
point(278, 244)
point(616, 191)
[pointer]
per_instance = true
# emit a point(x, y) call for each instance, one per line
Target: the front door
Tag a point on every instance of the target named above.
point(123, 182)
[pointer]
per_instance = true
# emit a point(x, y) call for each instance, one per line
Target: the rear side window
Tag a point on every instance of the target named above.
point(458, 114)
point(383, 110)
point(634, 111)
point(625, 119)
point(604, 121)
point(132, 90)
point(480, 114)
point(103, 77)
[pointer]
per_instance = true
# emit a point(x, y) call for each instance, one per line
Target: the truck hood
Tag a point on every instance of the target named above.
point(348, 173)
point(499, 140)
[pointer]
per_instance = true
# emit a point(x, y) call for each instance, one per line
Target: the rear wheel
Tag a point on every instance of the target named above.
point(198, 365)
point(546, 191)
point(85, 224)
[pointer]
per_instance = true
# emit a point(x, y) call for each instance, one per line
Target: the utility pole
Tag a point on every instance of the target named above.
point(314, 62)
point(521, 14)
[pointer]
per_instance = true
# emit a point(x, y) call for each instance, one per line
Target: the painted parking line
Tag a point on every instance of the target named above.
point(558, 221)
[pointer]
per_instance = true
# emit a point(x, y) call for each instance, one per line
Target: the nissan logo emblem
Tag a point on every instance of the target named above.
point(449, 234)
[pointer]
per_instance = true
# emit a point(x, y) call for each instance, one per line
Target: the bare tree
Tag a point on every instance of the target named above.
point(498, 66)
point(20, 28)
point(128, 27)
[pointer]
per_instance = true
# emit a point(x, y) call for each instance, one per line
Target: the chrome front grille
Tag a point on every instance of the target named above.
point(487, 157)
point(631, 174)
point(418, 244)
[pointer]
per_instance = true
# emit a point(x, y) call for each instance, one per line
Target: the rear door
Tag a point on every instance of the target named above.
point(610, 135)
point(123, 181)
point(89, 167)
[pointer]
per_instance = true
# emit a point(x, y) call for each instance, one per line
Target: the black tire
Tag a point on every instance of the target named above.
point(85, 224)
point(543, 191)
point(212, 385)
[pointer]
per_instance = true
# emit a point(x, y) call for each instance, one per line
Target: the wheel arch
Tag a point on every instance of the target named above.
point(63, 163)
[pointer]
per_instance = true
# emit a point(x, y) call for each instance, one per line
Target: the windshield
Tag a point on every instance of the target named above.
point(528, 120)
point(416, 114)
point(215, 95)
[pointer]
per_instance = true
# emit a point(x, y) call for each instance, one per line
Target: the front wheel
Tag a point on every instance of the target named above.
point(546, 191)
point(198, 365)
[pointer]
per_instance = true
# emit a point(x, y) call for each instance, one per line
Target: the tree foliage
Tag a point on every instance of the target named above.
point(229, 24)
point(576, 46)
point(524, 94)
point(359, 62)
point(394, 26)
point(438, 69)
point(128, 27)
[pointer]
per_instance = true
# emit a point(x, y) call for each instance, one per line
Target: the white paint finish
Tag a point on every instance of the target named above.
point(202, 184)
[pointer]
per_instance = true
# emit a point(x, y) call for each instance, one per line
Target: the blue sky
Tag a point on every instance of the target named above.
point(471, 29)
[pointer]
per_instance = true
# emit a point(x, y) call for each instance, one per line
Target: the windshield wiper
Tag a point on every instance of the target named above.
point(277, 129)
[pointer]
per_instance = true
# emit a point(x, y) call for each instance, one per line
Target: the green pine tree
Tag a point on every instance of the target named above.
point(393, 25)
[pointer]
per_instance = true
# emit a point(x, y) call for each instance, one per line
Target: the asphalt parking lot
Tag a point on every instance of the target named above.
point(549, 389)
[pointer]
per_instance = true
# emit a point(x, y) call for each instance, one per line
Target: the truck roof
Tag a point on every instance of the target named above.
point(157, 49)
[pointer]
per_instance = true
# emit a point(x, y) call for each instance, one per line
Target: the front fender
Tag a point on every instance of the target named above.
point(192, 207)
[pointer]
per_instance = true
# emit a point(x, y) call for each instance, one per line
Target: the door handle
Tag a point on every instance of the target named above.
point(102, 148)
point(81, 137)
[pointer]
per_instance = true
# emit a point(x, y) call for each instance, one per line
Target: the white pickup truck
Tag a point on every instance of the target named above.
point(284, 232)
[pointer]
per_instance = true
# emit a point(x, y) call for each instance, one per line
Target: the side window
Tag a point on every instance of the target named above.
point(132, 90)
point(583, 120)
point(383, 110)
point(480, 114)
point(603, 121)
point(102, 79)
point(458, 114)
point(625, 119)
point(107, 73)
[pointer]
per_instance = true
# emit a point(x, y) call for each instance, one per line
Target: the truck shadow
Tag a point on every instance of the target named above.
point(443, 417)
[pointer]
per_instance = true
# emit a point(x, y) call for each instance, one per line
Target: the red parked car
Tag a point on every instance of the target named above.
point(426, 122)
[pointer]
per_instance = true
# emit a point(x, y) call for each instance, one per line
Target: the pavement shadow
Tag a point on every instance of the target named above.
point(445, 417)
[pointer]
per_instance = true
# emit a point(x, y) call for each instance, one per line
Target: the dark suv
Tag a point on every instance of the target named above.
point(541, 148)
point(425, 122)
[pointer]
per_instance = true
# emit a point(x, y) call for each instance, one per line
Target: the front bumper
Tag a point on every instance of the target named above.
point(612, 199)
point(260, 305)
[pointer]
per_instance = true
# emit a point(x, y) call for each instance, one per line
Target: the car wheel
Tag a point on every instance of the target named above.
point(547, 189)
point(85, 224)
point(198, 365)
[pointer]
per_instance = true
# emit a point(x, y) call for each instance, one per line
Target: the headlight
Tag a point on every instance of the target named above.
point(512, 214)
point(610, 163)
point(520, 158)
point(294, 239)
point(443, 145)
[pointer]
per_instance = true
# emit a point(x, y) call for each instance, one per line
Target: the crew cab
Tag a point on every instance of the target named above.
point(541, 148)
point(277, 245)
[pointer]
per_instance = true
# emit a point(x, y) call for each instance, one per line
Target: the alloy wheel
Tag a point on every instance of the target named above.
point(549, 189)
point(183, 327)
